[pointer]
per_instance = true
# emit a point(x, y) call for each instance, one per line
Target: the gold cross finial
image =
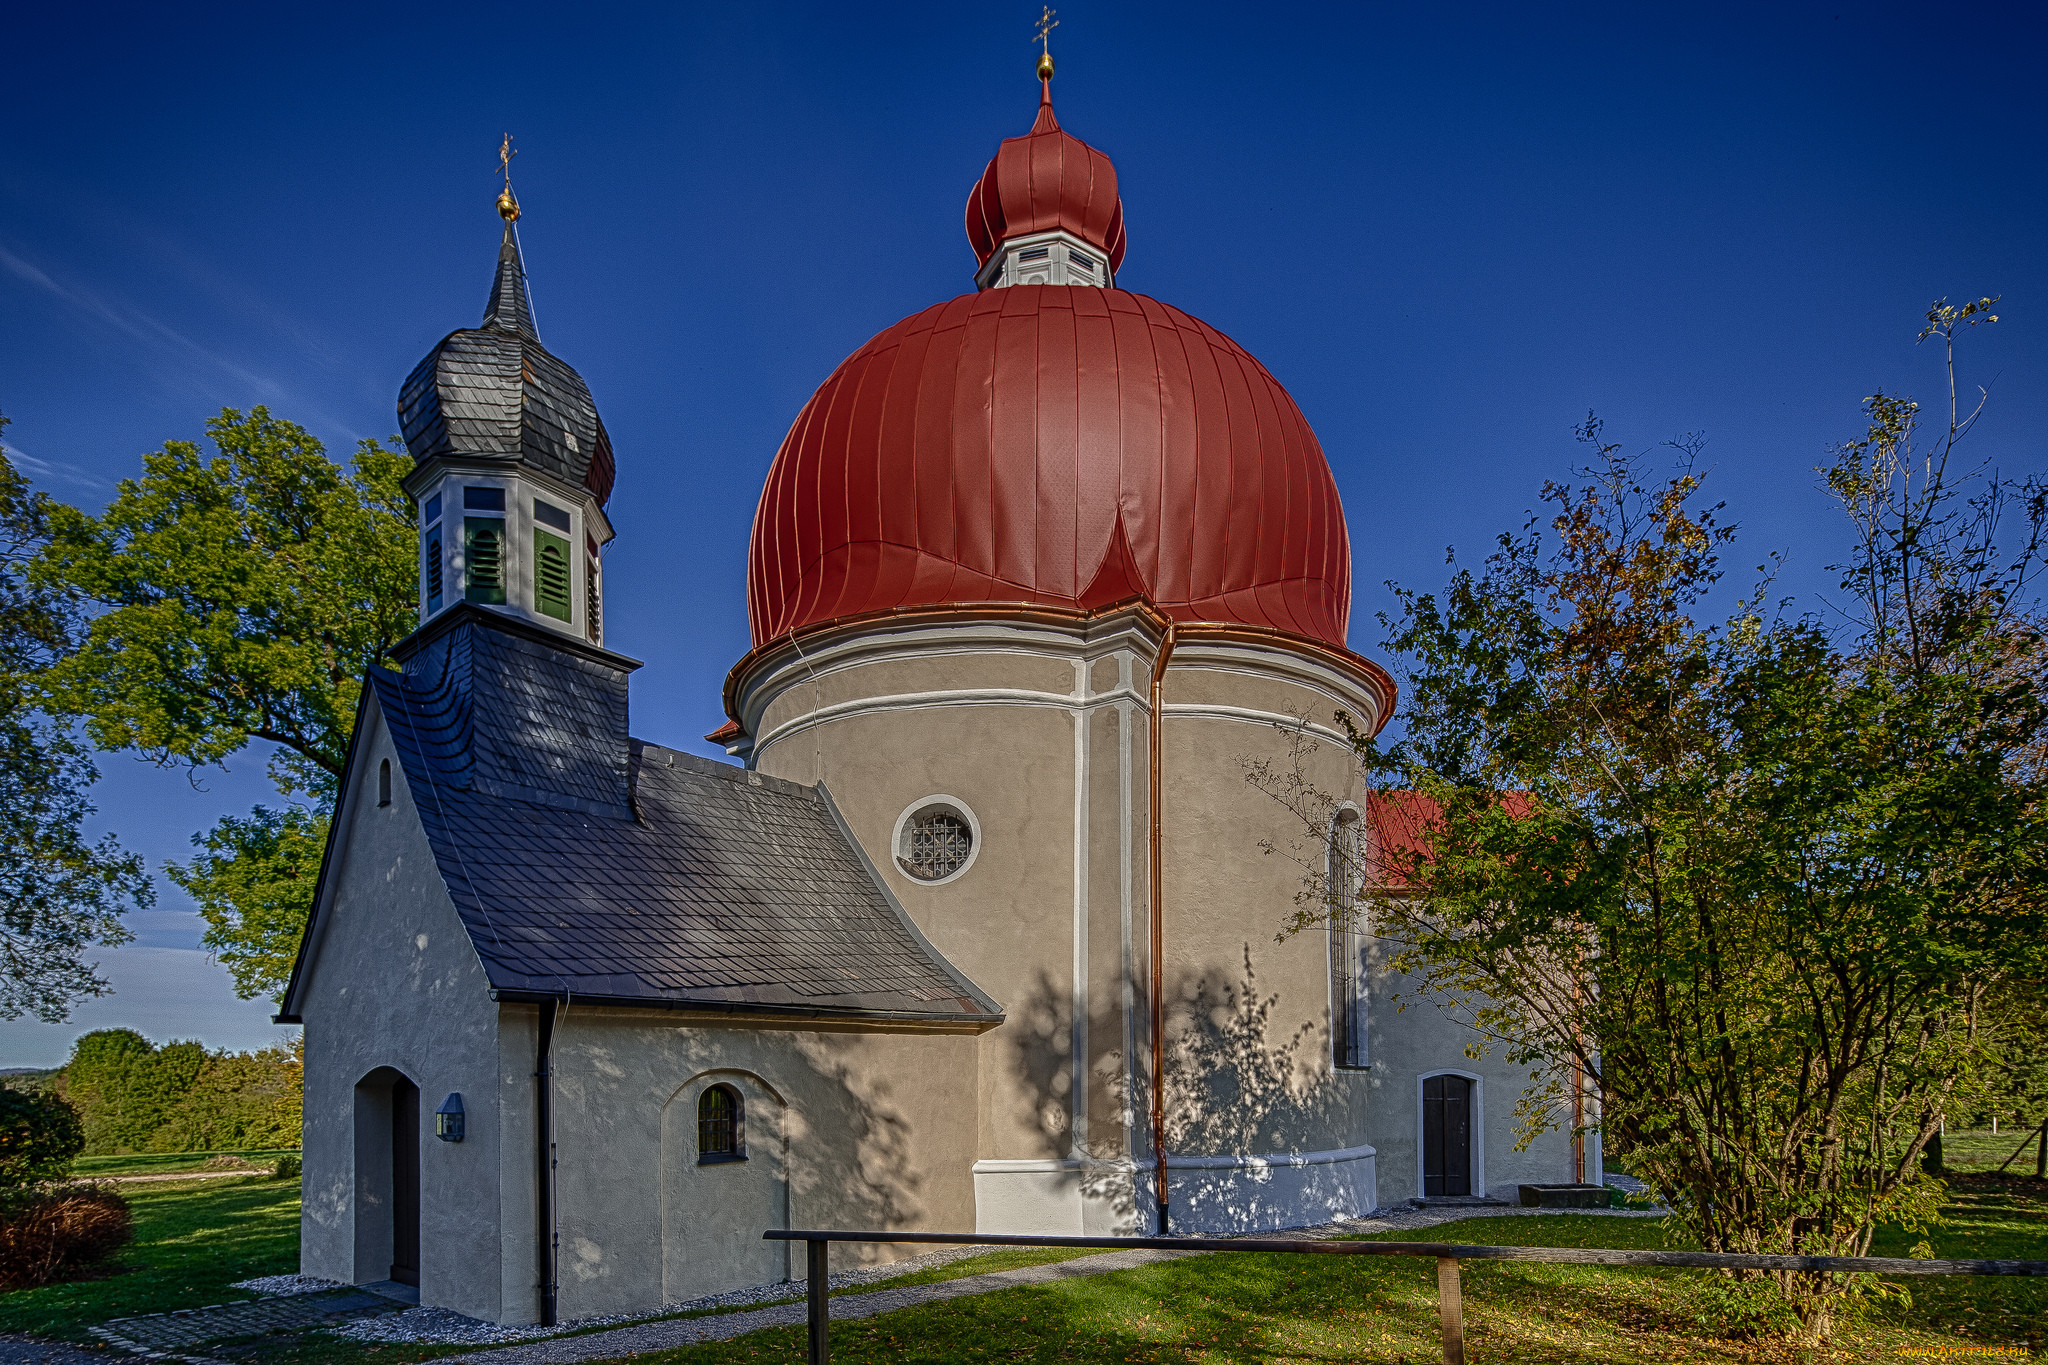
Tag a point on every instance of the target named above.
point(508, 207)
point(1046, 24)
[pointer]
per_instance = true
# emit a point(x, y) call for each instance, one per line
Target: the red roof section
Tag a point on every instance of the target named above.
point(1054, 445)
point(1403, 824)
point(1044, 180)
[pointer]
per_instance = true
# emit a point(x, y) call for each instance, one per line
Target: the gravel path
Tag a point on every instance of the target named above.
point(664, 1335)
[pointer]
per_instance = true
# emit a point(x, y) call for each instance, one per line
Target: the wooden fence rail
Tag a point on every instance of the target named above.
point(1447, 1255)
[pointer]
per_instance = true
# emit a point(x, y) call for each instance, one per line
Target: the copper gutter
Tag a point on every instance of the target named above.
point(1158, 947)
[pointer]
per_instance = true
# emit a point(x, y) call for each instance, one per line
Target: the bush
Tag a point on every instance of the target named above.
point(60, 1232)
point(288, 1168)
point(39, 1134)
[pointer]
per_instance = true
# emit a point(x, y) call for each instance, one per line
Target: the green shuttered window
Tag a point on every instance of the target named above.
point(551, 591)
point(483, 555)
point(434, 569)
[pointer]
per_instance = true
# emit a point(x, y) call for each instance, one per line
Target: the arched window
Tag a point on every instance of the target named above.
point(721, 1136)
point(384, 783)
point(1347, 942)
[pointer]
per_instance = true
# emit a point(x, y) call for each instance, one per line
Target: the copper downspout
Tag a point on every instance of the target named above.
point(1158, 950)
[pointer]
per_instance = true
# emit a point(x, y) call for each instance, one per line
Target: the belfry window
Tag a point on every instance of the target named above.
point(1344, 879)
point(551, 590)
point(430, 550)
point(483, 557)
point(721, 1135)
point(593, 600)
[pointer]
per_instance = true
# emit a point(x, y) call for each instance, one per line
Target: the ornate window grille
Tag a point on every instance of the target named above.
point(936, 843)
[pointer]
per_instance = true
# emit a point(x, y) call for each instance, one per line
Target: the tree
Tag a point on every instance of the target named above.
point(233, 600)
point(39, 1135)
point(60, 893)
point(1760, 880)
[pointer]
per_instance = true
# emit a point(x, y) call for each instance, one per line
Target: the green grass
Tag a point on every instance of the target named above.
point(196, 1238)
point(1983, 1150)
point(192, 1240)
point(1271, 1309)
point(166, 1163)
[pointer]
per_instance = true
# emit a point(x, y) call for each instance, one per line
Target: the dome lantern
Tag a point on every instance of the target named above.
point(1046, 211)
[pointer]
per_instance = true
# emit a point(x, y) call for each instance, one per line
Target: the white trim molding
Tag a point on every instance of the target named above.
point(1478, 1128)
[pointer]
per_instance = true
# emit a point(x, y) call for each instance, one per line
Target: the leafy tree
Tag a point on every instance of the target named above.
point(234, 599)
point(39, 1135)
point(1762, 880)
point(254, 883)
point(60, 894)
point(102, 1081)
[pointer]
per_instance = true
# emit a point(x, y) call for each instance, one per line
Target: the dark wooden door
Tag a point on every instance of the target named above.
point(1446, 1135)
point(405, 1182)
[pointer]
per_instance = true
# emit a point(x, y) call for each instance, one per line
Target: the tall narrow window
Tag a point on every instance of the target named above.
point(551, 590)
point(1347, 942)
point(434, 569)
point(483, 556)
point(720, 1135)
point(384, 783)
point(593, 600)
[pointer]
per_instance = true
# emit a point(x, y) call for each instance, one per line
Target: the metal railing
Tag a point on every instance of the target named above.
point(1447, 1255)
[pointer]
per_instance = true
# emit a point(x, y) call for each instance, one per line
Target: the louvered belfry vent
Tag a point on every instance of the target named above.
point(484, 554)
point(551, 590)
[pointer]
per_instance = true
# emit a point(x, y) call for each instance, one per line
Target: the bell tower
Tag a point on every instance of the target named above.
point(512, 464)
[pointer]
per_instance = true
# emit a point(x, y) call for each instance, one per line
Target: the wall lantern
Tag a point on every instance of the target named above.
point(448, 1119)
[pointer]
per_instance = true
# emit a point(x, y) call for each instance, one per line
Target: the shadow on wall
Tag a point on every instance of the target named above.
point(1236, 1086)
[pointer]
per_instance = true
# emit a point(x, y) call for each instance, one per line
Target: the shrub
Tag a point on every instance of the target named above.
point(60, 1232)
point(288, 1168)
point(39, 1134)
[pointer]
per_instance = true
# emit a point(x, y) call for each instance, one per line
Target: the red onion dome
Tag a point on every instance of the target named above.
point(1054, 445)
point(1048, 179)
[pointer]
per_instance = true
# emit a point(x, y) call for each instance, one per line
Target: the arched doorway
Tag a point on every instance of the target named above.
point(1446, 1136)
point(387, 1202)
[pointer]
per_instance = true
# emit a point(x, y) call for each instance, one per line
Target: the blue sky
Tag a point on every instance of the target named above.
point(1450, 231)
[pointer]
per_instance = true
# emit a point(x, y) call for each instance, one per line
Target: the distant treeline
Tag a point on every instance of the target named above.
point(133, 1096)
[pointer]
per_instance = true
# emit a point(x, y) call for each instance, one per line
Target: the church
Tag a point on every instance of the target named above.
point(977, 929)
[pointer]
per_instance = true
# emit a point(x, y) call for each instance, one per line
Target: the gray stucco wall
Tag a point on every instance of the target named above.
point(392, 981)
point(844, 1129)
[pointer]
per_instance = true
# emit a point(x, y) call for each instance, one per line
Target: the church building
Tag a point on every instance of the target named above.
point(977, 930)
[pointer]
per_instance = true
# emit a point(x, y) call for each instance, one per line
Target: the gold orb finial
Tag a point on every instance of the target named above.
point(508, 207)
point(1046, 24)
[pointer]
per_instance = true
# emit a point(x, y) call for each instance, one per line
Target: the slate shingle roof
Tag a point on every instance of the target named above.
point(494, 392)
point(723, 888)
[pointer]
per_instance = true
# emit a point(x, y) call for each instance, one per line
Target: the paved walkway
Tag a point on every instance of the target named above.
point(16, 1350)
point(171, 1334)
point(665, 1335)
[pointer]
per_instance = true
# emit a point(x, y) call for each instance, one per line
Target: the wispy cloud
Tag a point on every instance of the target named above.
point(56, 471)
point(136, 324)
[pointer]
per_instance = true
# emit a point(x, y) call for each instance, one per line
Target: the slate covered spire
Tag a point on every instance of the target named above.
point(493, 394)
point(511, 306)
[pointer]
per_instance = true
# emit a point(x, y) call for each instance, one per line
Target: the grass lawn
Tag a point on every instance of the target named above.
point(196, 1238)
point(192, 1240)
point(1271, 1309)
point(166, 1163)
point(1983, 1150)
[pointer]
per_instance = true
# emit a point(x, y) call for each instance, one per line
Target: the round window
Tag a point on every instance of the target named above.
point(935, 840)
